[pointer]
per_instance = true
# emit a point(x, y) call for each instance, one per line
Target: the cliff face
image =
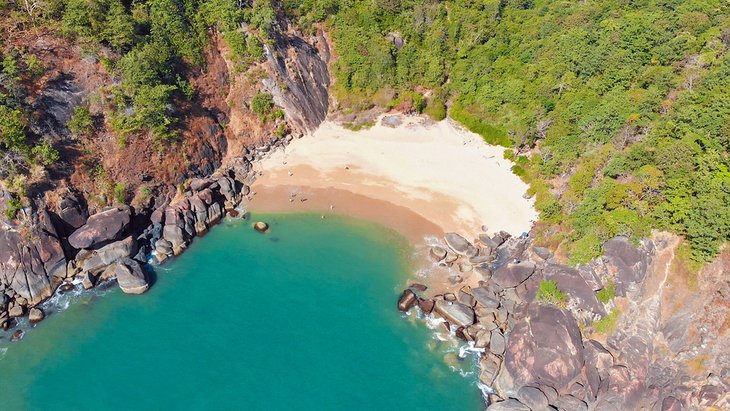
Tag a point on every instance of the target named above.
point(174, 191)
point(302, 68)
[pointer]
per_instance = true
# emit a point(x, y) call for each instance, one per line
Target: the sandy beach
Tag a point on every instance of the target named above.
point(421, 178)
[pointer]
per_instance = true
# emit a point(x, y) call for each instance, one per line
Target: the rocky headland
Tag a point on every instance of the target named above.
point(629, 349)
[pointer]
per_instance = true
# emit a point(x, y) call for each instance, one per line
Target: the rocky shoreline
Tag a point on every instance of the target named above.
point(538, 354)
point(113, 244)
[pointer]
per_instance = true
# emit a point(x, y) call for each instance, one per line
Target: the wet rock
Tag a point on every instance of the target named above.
point(17, 335)
point(261, 227)
point(457, 314)
point(512, 274)
point(437, 253)
point(543, 346)
point(510, 404)
point(88, 280)
point(101, 228)
point(533, 398)
point(407, 300)
point(426, 306)
point(36, 315)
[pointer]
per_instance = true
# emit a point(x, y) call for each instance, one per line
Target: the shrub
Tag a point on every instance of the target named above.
point(436, 109)
point(13, 205)
point(607, 324)
point(45, 154)
point(549, 293)
point(81, 122)
point(607, 293)
point(262, 104)
point(120, 193)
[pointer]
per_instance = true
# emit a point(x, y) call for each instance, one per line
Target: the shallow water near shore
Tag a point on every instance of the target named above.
point(300, 318)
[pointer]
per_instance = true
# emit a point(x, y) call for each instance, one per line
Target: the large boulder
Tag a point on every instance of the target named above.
point(130, 276)
point(460, 245)
point(109, 253)
point(544, 348)
point(513, 274)
point(508, 405)
point(101, 228)
point(407, 300)
point(457, 314)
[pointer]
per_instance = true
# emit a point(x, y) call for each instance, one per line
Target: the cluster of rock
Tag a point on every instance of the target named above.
point(67, 247)
point(536, 355)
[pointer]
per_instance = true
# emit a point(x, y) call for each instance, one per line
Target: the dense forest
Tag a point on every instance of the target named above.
point(618, 112)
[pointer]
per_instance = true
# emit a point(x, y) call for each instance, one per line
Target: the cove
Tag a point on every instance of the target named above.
point(300, 318)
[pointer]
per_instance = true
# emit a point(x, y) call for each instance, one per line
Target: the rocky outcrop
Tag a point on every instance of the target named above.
point(101, 228)
point(547, 355)
point(129, 275)
point(544, 347)
point(301, 67)
point(29, 262)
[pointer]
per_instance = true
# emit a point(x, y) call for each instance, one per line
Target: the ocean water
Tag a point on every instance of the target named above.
point(300, 318)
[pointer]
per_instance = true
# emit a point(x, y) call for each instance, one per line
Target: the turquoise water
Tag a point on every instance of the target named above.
point(301, 318)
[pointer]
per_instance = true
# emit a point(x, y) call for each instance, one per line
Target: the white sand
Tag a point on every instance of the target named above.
point(440, 171)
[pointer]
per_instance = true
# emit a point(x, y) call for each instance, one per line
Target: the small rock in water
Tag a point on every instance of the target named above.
point(261, 227)
point(36, 315)
point(17, 335)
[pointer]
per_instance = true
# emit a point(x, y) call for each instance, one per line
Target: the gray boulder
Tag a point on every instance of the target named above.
point(511, 275)
point(101, 228)
point(508, 405)
point(131, 277)
point(457, 314)
point(460, 245)
point(533, 398)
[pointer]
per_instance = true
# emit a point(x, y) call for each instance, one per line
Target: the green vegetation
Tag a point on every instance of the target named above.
point(263, 105)
point(621, 107)
point(549, 293)
point(607, 294)
point(120, 193)
point(607, 324)
point(81, 123)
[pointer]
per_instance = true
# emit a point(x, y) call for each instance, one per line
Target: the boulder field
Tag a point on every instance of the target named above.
point(78, 245)
point(559, 354)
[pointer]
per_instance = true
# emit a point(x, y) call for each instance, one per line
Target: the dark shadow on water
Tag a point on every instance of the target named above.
point(151, 274)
